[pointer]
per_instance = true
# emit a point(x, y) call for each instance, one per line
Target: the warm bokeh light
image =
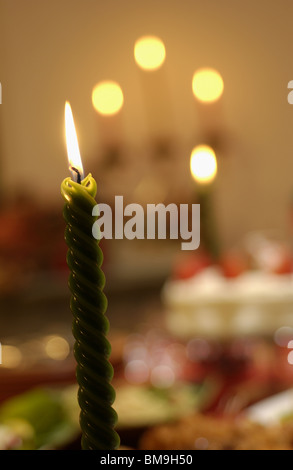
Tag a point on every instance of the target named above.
point(162, 376)
point(73, 153)
point(57, 348)
point(136, 371)
point(203, 164)
point(11, 356)
point(149, 52)
point(290, 355)
point(207, 85)
point(107, 98)
point(282, 336)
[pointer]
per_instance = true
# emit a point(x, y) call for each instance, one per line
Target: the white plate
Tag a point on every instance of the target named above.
point(273, 409)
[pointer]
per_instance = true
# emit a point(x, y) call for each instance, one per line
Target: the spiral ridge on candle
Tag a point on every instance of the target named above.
point(90, 325)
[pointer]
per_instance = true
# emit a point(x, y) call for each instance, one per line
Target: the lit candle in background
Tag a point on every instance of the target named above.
point(203, 168)
point(88, 304)
point(108, 100)
point(203, 164)
point(208, 88)
point(150, 55)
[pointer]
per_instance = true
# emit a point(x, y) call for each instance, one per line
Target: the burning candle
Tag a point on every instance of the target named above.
point(208, 88)
point(108, 100)
point(88, 304)
point(203, 168)
point(150, 55)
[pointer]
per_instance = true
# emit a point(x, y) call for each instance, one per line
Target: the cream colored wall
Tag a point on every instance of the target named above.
point(52, 51)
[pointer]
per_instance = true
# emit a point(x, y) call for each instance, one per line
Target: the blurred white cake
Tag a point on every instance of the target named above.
point(212, 305)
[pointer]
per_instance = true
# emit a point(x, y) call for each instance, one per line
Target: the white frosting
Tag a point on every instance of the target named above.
point(208, 303)
point(210, 285)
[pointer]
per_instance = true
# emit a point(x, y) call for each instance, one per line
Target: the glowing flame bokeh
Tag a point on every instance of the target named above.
point(207, 85)
point(203, 164)
point(149, 52)
point(107, 98)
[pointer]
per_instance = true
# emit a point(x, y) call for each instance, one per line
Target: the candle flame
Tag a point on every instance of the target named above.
point(207, 85)
point(107, 98)
point(203, 164)
point(149, 52)
point(74, 159)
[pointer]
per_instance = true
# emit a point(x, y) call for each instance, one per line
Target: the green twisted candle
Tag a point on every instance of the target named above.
point(90, 325)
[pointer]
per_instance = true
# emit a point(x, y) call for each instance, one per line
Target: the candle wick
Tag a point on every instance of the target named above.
point(78, 174)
